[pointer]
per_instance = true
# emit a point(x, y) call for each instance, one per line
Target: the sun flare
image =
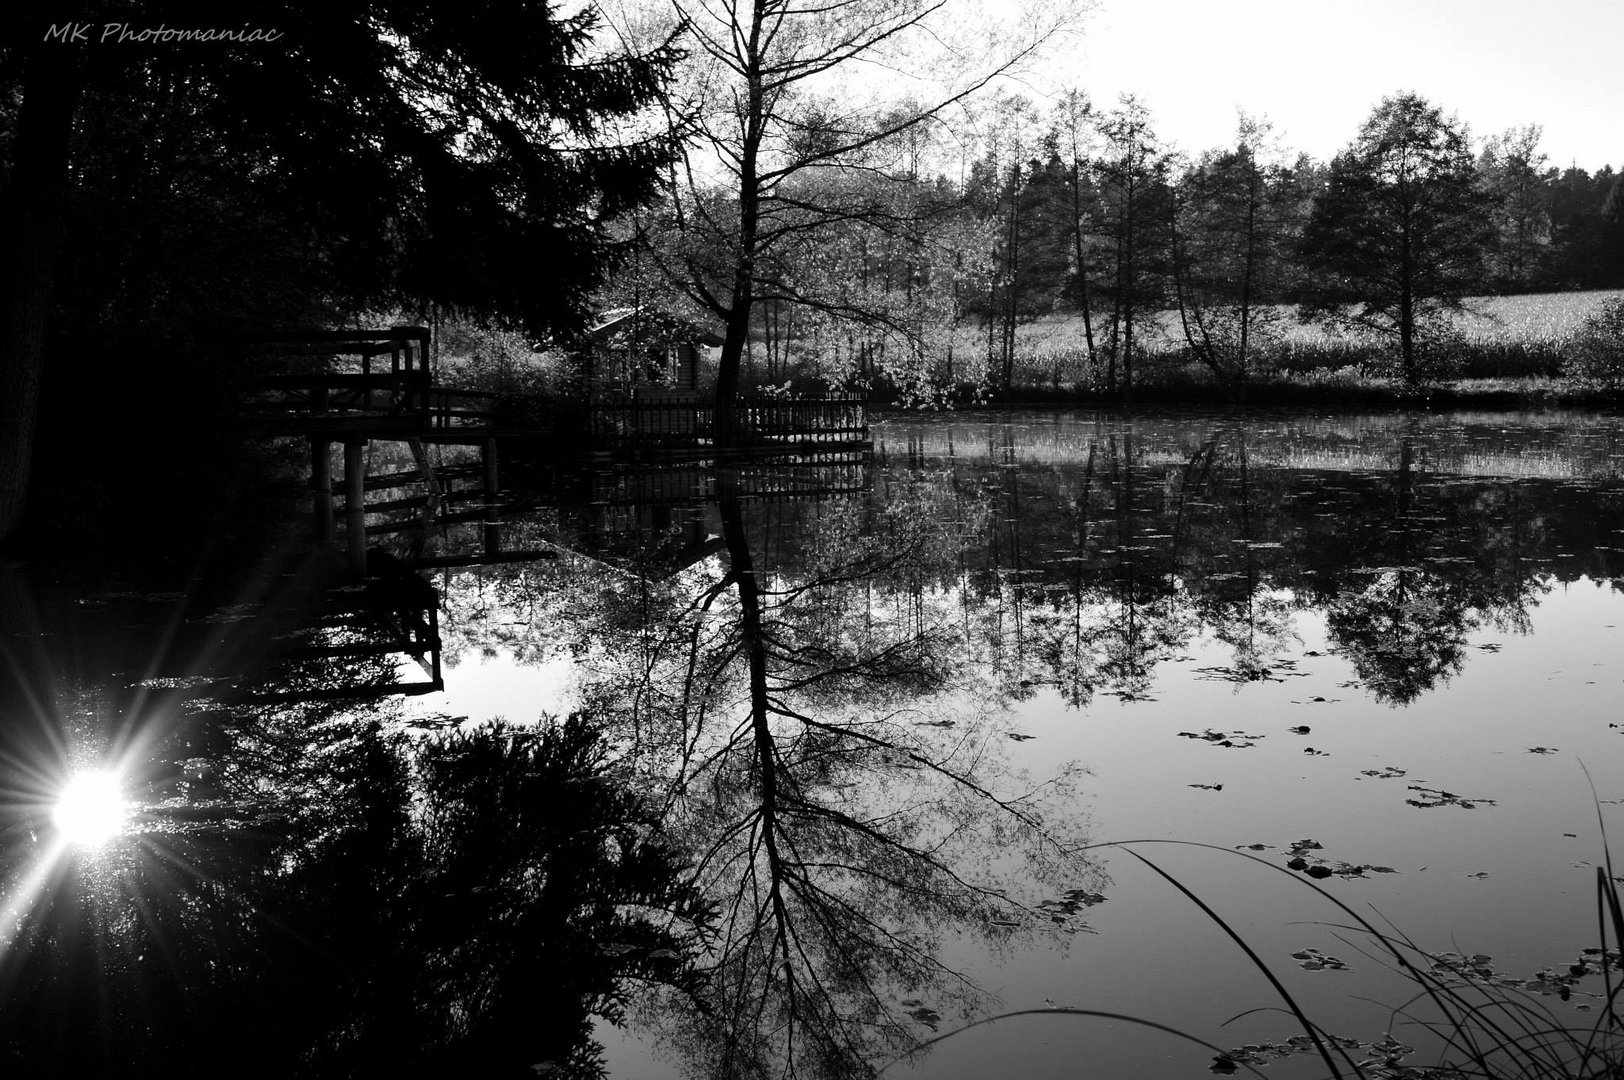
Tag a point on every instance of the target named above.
point(91, 808)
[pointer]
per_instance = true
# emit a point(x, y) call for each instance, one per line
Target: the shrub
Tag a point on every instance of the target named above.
point(1595, 356)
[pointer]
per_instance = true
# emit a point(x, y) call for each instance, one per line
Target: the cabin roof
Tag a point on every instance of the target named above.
point(653, 323)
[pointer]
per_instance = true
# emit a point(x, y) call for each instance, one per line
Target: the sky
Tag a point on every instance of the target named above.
point(1316, 68)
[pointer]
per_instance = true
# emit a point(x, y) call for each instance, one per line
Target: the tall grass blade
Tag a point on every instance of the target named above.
point(1099, 1014)
point(1308, 1025)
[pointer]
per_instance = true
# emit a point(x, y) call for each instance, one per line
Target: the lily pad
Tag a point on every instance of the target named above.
point(1314, 960)
point(1239, 740)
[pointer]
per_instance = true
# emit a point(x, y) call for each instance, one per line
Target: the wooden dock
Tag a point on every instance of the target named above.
point(355, 388)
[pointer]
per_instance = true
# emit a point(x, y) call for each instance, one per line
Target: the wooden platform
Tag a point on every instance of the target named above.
point(358, 387)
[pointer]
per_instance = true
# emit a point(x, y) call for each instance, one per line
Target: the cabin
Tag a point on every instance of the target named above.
point(646, 355)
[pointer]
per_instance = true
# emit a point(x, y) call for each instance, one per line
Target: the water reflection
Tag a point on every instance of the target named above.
point(797, 700)
point(1100, 562)
point(306, 887)
point(785, 794)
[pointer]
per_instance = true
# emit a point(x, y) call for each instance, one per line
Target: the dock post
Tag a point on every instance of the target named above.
point(355, 503)
point(321, 482)
point(321, 469)
point(493, 530)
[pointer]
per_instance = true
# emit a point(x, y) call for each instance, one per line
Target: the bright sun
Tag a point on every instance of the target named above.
point(91, 808)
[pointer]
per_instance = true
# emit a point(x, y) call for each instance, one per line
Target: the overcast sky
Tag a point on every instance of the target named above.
point(1316, 68)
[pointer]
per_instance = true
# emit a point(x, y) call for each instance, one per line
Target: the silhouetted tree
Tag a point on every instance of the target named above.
point(1512, 167)
point(1236, 218)
point(764, 106)
point(1073, 138)
point(1132, 176)
point(1400, 234)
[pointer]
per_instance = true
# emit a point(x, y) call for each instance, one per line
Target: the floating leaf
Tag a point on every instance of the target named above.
point(1237, 739)
point(927, 1016)
point(1428, 798)
point(1314, 960)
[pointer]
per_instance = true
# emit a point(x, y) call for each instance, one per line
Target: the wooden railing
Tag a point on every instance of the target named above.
point(791, 423)
point(450, 410)
point(334, 376)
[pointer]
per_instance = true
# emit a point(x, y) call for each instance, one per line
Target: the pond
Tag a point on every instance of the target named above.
point(864, 757)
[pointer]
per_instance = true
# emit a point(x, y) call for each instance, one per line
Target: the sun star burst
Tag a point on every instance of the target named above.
point(91, 808)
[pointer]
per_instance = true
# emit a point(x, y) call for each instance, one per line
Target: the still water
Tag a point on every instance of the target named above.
point(861, 756)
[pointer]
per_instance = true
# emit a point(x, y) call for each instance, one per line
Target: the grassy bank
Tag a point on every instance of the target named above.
point(1341, 387)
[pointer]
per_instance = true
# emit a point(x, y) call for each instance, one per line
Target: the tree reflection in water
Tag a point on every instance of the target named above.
point(832, 767)
point(1097, 568)
point(851, 821)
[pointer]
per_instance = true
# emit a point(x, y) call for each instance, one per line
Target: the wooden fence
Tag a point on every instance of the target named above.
point(792, 423)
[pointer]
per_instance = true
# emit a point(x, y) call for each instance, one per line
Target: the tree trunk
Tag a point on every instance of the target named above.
point(1012, 277)
point(726, 429)
point(1081, 250)
point(31, 220)
point(1406, 294)
point(1243, 360)
point(1129, 276)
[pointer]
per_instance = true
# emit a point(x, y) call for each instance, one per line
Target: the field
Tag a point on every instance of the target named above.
point(1499, 337)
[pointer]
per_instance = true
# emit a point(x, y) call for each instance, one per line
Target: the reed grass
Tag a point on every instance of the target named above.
point(1484, 1030)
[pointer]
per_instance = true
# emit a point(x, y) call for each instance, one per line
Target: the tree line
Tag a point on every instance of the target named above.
point(913, 262)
